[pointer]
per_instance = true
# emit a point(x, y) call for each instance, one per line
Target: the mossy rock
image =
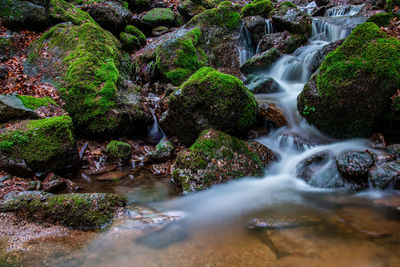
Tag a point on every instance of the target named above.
point(291, 19)
point(163, 152)
point(288, 4)
point(14, 107)
point(159, 17)
point(209, 99)
point(383, 19)
point(390, 4)
point(79, 211)
point(21, 15)
point(351, 94)
point(62, 11)
point(260, 61)
point(132, 39)
point(45, 145)
point(257, 8)
point(214, 158)
point(119, 150)
point(190, 8)
point(179, 58)
point(84, 67)
point(225, 15)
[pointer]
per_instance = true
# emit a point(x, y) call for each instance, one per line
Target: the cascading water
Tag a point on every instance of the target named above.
point(155, 133)
point(246, 49)
point(344, 11)
point(211, 222)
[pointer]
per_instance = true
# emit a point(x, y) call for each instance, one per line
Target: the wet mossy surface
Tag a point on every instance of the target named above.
point(119, 150)
point(179, 58)
point(159, 16)
point(214, 158)
point(257, 8)
point(383, 19)
point(33, 103)
point(62, 11)
point(209, 99)
point(350, 95)
point(79, 211)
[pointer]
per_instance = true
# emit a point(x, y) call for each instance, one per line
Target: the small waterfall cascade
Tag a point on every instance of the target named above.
point(155, 133)
point(341, 11)
point(268, 27)
point(246, 48)
point(309, 8)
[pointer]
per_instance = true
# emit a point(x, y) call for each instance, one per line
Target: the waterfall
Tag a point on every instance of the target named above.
point(268, 27)
point(155, 133)
point(340, 11)
point(246, 48)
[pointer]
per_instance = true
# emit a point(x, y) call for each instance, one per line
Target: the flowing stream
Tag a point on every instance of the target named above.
point(306, 225)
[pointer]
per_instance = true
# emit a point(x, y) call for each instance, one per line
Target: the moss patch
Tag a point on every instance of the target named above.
point(257, 8)
point(383, 19)
point(61, 10)
point(179, 58)
point(119, 150)
point(33, 103)
point(159, 16)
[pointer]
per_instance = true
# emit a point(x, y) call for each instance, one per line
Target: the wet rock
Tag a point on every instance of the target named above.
point(296, 141)
point(256, 26)
point(59, 185)
point(394, 150)
point(292, 20)
point(334, 93)
point(321, 54)
point(12, 108)
point(378, 140)
point(160, 30)
point(163, 152)
point(81, 211)
point(386, 175)
point(257, 7)
point(267, 156)
point(309, 166)
point(260, 84)
point(260, 61)
point(213, 159)
point(45, 145)
point(285, 42)
point(281, 223)
point(195, 106)
point(132, 38)
point(110, 15)
point(22, 15)
point(322, 2)
point(354, 165)
point(269, 115)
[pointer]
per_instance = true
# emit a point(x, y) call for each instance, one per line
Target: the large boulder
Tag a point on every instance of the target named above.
point(62, 11)
point(351, 94)
point(83, 63)
point(24, 14)
point(111, 16)
point(179, 58)
point(215, 158)
point(209, 99)
point(79, 211)
point(291, 19)
point(45, 145)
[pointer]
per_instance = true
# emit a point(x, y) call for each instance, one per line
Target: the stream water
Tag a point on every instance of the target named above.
point(303, 225)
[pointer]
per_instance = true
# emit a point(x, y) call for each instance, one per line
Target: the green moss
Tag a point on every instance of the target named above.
point(33, 103)
point(224, 15)
point(136, 32)
point(390, 4)
point(90, 59)
point(118, 149)
point(67, 12)
point(383, 19)
point(288, 4)
point(367, 60)
point(159, 16)
point(180, 58)
point(39, 140)
point(257, 8)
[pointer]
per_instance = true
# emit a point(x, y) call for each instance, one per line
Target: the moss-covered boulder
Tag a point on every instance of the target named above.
point(110, 15)
point(214, 158)
point(383, 19)
point(84, 64)
point(159, 17)
point(79, 211)
point(163, 152)
point(351, 94)
point(257, 8)
point(119, 150)
point(23, 14)
point(45, 145)
point(209, 99)
point(132, 39)
point(291, 19)
point(190, 8)
point(179, 58)
point(62, 11)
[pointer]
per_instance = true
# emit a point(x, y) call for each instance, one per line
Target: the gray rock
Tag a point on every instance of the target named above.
point(386, 175)
point(20, 15)
point(354, 164)
point(11, 108)
point(260, 61)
